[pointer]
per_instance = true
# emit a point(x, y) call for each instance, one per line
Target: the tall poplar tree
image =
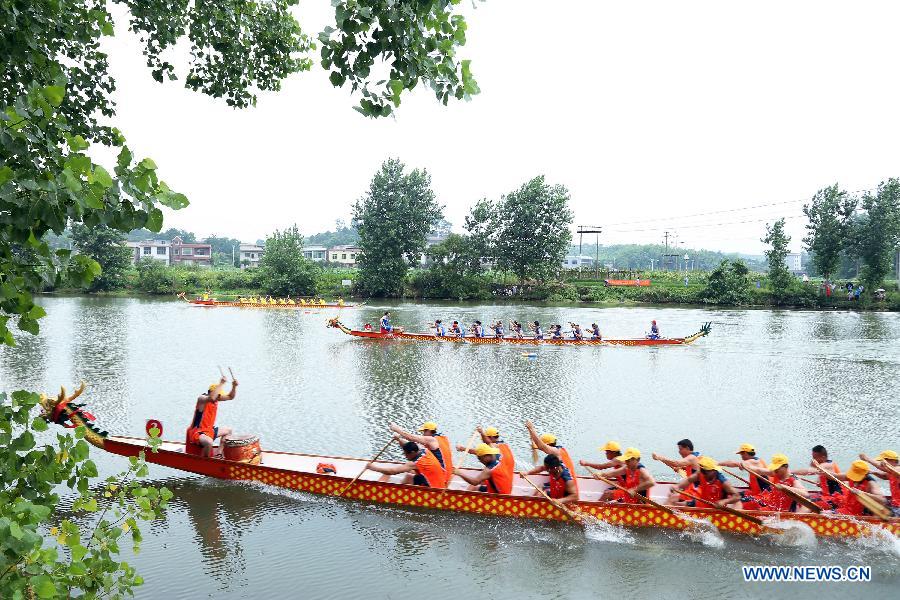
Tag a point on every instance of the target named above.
point(828, 212)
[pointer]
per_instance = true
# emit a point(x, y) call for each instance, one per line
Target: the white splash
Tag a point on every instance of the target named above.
point(877, 538)
point(702, 531)
point(601, 531)
point(795, 534)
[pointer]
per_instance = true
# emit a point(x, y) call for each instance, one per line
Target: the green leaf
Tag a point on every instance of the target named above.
point(43, 587)
point(6, 173)
point(54, 94)
point(76, 143)
point(154, 220)
point(148, 163)
point(173, 200)
point(37, 312)
point(102, 176)
point(336, 79)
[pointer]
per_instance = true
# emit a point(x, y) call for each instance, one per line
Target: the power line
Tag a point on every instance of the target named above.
point(700, 225)
point(723, 211)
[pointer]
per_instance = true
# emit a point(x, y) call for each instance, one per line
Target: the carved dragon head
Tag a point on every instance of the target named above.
point(62, 411)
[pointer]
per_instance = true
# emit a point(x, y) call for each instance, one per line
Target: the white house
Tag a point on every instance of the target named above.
point(344, 255)
point(794, 262)
point(250, 255)
point(573, 261)
point(315, 253)
point(160, 250)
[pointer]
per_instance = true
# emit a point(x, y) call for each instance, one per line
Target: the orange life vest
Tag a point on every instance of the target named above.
point(557, 488)
point(630, 480)
point(205, 424)
point(711, 491)
point(446, 456)
point(850, 504)
point(501, 479)
point(894, 482)
point(827, 485)
point(567, 460)
point(427, 466)
point(777, 500)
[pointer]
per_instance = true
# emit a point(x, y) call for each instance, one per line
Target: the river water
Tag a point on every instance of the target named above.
point(782, 380)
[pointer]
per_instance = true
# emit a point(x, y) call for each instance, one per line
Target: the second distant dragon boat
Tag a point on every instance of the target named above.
point(265, 302)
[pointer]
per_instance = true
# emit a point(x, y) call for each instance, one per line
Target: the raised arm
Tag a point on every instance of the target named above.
point(423, 440)
point(233, 391)
point(538, 442)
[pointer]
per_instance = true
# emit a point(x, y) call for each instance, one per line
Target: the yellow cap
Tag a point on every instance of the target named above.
point(611, 447)
point(548, 438)
point(746, 448)
point(858, 470)
point(629, 454)
point(491, 432)
point(213, 387)
point(708, 464)
point(428, 426)
point(483, 449)
point(889, 454)
point(778, 461)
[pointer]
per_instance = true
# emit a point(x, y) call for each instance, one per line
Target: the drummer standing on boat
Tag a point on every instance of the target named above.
point(203, 431)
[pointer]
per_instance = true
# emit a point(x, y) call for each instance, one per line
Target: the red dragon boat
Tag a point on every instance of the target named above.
point(310, 473)
point(399, 334)
point(247, 303)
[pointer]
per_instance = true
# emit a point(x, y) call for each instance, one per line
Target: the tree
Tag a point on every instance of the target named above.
point(106, 246)
point(780, 278)
point(283, 269)
point(455, 270)
point(394, 220)
point(728, 284)
point(532, 225)
point(876, 233)
point(342, 235)
point(828, 214)
point(80, 561)
point(224, 250)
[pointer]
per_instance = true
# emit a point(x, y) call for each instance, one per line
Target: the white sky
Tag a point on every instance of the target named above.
point(644, 110)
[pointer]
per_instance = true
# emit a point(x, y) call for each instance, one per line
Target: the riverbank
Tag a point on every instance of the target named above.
point(690, 289)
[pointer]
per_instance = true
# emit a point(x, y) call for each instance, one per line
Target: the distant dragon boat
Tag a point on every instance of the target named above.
point(262, 303)
point(310, 473)
point(399, 334)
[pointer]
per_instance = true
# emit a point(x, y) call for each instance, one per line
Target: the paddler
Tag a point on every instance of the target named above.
point(538, 333)
point(386, 322)
point(684, 466)
point(858, 478)
point(633, 476)
point(423, 467)
point(439, 329)
point(203, 431)
point(654, 331)
point(758, 484)
point(549, 445)
point(779, 472)
point(497, 475)
point(562, 486)
point(613, 451)
point(830, 491)
point(887, 464)
point(434, 442)
point(491, 437)
point(710, 484)
point(456, 330)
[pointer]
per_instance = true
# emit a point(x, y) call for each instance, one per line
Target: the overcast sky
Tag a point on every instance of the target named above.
point(648, 111)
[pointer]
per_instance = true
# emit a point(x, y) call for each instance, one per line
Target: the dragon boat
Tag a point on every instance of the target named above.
point(332, 476)
point(246, 303)
point(399, 334)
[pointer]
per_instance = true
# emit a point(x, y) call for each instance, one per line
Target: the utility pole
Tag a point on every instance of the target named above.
point(582, 229)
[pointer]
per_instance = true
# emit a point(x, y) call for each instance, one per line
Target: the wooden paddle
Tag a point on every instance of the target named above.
point(559, 505)
point(678, 471)
point(642, 498)
point(729, 510)
point(871, 504)
point(461, 457)
point(231, 372)
point(796, 497)
point(366, 468)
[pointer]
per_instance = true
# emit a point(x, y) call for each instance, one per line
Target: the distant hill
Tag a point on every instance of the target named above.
point(342, 235)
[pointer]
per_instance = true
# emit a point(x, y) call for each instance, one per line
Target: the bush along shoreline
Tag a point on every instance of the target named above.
point(721, 287)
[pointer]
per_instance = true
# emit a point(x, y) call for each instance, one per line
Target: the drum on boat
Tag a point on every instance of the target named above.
point(242, 448)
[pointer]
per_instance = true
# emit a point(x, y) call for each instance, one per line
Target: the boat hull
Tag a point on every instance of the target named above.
point(296, 471)
point(425, 337)
point(213, 303)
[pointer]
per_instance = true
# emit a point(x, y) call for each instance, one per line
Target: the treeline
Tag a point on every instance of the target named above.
point(648, 256)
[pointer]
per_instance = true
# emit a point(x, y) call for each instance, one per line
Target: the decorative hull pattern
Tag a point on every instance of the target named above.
point(196, 302)
point(297, 471)
point(430, 337)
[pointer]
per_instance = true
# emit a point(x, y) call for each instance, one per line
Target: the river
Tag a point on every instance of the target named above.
point(782, 380)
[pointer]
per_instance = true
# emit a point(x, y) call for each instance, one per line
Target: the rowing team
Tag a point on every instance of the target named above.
point(285, 301)
point(771, 487)
point(516, 329)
